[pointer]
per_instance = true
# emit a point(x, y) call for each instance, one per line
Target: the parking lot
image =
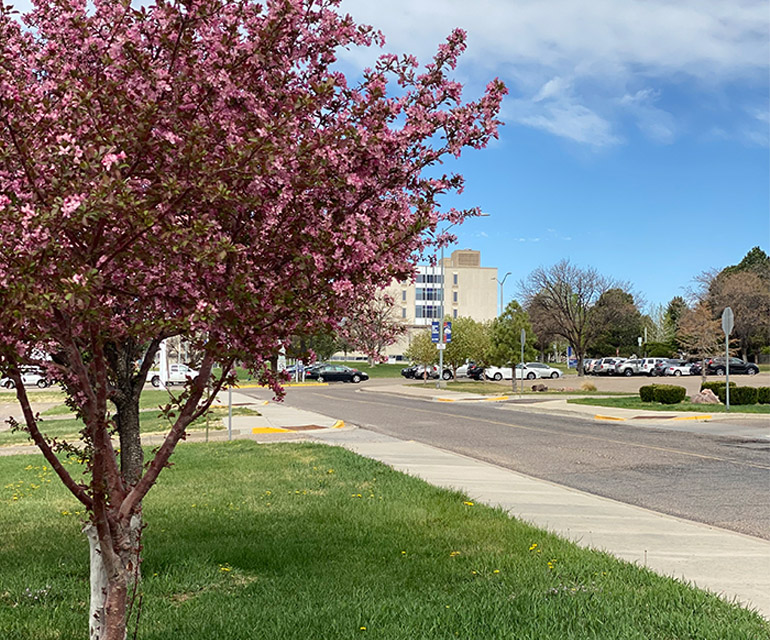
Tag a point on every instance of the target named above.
point(632, 384)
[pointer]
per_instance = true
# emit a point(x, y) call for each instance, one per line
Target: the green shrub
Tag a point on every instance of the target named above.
point(738, 395)
point(715, 385)
point(647, 393)
point(669, 393)
point(763, 395)
point(743, 395)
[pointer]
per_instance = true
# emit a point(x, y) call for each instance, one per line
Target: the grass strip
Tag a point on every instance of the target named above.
point(634, 402)
point(284, 541)
point(149, 422)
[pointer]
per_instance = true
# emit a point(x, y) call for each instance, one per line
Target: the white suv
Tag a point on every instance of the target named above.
point(177, 374)
point(648, 365)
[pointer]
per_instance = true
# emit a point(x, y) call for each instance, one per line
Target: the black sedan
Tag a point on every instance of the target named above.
point(336, 372)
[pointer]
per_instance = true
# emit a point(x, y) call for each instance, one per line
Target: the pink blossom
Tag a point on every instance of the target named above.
point(111, 158)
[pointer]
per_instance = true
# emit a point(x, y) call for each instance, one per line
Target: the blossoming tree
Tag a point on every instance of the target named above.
point(198, 168)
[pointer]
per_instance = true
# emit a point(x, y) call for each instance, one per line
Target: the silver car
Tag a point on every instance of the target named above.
point(629, 368)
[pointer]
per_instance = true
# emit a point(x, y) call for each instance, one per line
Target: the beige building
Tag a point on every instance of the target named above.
point(468, 290)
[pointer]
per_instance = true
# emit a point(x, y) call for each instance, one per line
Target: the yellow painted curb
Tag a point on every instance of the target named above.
point(338, 425)
point(269, 430)
point(495, 399)
point(608, 418)
point(446, 400)
point(693, 418)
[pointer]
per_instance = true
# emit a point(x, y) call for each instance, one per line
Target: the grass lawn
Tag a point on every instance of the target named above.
point(248, 541)
point(149, 422)
point(634, 402)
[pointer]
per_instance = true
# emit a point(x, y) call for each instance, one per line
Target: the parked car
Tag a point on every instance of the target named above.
point(591, 365)
point(648, 365)
point(543, 370)
point(717, 366)
point(677, 368)
point(605, 367)
point(177, 374)
point(475, 372)
point(408, 372)
point(629, 368)
point(334, 373)
point(506, 373)
point(29, 376)
point(659, 369)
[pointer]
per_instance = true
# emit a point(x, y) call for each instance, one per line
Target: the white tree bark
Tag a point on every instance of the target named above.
point(96, 615)
point(98, 574)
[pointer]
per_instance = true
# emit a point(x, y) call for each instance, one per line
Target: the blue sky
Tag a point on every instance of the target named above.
point(636, 137)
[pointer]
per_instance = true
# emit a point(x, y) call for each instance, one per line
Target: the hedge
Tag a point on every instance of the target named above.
point(647, 392)
point(669, 393)
point(763, 395)
point(739, 395)
point(715, 385)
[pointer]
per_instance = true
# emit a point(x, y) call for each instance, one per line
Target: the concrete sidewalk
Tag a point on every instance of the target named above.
point(733, 565)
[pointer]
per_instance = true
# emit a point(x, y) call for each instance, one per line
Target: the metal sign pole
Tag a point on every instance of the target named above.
point(523, 338)
point(728, 321)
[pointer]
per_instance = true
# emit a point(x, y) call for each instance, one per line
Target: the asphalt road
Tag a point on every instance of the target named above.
point(715, 480)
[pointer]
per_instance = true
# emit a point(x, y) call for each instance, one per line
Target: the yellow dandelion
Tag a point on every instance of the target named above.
point(468, 504)
point(496, 571)
point(362, 628)
point(454, 553)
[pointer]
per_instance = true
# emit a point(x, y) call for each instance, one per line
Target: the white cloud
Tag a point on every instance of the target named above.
point(578, 69)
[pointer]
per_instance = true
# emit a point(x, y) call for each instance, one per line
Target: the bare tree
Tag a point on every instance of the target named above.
point(563, 296)
point(373, 326)
point(748, 296)
point(699, 333)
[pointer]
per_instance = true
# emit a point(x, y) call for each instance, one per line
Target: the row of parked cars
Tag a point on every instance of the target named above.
point(528, 371)
point(666, 367)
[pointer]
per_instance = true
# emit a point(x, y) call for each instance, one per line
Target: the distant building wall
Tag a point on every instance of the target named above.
point(468, 290)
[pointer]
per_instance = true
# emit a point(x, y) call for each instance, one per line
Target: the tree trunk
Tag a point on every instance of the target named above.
point(109, 603)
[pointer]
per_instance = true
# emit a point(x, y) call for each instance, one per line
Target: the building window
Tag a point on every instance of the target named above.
point(454, 313)
point(454, 279)
point(403, 295)
point(403, 312)
point(427, 295)
point(427, 311)
point(454, 296)
point(429, 278)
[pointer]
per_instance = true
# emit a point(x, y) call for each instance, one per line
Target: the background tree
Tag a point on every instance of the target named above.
point(562, 296)
point(700, 334)
point(617, 312)
point(748, 295)
point(505, 336)
point(198, 168)
point(372, 326)
point(675, 309)
point(421, 350)
point(470, 341)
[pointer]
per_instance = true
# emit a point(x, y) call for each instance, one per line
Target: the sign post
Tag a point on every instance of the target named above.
point(523, 339)
point(728, 322)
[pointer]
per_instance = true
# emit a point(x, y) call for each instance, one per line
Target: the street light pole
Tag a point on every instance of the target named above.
point(501, 283)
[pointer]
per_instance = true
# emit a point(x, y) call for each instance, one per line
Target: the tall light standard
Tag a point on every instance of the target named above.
point(501, 283)
point(442, 345)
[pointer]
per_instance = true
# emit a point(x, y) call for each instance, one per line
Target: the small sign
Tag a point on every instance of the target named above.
point(435, 336)
point(523, 336)
point(440, 346)
point(447, 332)
point(728, 321)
